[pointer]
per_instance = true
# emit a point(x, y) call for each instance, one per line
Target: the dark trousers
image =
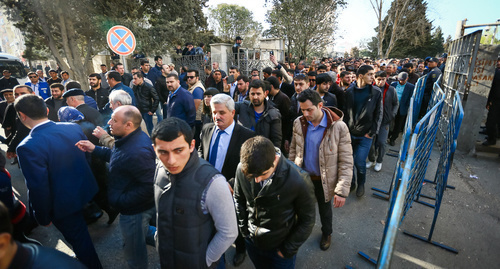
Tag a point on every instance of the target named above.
point(399, 123)
point(74, 229)
point(197, 131)
point(325, 208)
point(268, 259)
point(493, 122)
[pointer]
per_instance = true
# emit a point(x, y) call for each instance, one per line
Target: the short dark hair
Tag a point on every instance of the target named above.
point(171, 75)
point(32, 73)
point(114, 75)
point(243, 77)
point(5, 223)
point(104, 65)
point(158, 57)
point(310, 95)
point(257, 155)
point(267, 86)
point(95, 75)
point(30, 90)
point(32, 105)
point(65, 72)
point(201, 45)
point(257, 84)
point(273, 81)
point(234, 67)
point(301, 77)
point(312, 73)
point(344, 73)
point(322, 78)
point(277, 73)
point(381, 74)
point(362, 70)
point(138, 74)
point(215, 71)
point(144, 62)
point(255, 69)
point(267, 70)
point(196, 72)
point(172, 128)
point(321, 66)
point(408, 65)
point(57, 85)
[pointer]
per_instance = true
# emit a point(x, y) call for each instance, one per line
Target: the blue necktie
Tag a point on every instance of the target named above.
point(213, 154)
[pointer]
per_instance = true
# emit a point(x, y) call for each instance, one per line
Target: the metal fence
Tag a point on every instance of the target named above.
point(195, 62)
point(460, 64)
point(413, 168)
point(248, 59)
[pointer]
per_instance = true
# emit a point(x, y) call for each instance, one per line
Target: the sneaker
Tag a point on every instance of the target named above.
point(378, 167)
point(369, 165)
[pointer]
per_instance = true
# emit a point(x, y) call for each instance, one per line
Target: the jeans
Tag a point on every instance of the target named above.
point(148, 119)
point(325, 209)
point(360, 148)
point(378, 147)
point(159, 113)
point(264, 259)
point(134, 229)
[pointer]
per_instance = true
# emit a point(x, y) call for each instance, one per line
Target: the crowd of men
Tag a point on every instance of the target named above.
point(233, 159)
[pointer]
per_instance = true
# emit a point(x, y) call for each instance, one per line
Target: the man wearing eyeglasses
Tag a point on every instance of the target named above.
point(39, 88)
point(197, 90)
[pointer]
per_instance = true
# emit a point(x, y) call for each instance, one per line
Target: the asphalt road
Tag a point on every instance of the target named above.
point(469, 221)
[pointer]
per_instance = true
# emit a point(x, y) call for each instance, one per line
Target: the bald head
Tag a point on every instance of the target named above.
point(130, 113)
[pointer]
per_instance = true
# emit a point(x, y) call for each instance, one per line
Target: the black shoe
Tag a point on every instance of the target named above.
point(482, 132)
point(239, 258)
point(353, 186)
point(112, 214)
point(324, 244)
point(94, 217)
point(391, 142)
point(489, 143)
point(361, 190)
point(14, 161)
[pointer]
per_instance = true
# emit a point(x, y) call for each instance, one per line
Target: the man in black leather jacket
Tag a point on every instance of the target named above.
point(274, 204)
point(147, 99)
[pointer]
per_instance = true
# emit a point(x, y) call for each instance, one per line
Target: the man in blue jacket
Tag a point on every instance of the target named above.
point(404, 90)
point(40, 88)
point(131, 177)
point(58, 176)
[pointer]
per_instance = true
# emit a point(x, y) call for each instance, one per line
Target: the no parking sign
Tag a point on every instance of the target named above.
point(121, 40)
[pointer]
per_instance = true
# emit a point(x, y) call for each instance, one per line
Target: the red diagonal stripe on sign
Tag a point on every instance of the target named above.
point(121, 41)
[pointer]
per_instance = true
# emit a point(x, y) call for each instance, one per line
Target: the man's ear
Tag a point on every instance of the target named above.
point(22, 116)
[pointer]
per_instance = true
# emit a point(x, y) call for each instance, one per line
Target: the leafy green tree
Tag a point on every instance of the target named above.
point(306, 26)
point(229, 21)
point(73, 31)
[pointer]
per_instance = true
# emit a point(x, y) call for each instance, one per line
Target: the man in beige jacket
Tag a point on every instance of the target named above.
point(321, 145)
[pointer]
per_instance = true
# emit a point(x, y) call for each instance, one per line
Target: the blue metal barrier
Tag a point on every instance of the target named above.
point(445, 161)
point(418, 95)
point(415, 166)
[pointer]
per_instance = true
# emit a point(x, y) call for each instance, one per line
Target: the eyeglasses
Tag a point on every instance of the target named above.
point(190, 77)
point(312, 80)
point(255, 75)
point(32, 76)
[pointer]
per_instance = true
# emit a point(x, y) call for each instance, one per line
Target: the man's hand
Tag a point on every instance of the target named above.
point(273, 59)
point(368, 136)
point(226, 86)
point(99, 132)
point(231, 189)
point(85, 145)
point(150, 113)
point(280, 254)
point(338, 201)
point(11, 155)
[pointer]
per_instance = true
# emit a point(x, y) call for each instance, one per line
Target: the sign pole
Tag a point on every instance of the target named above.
point(125, 65)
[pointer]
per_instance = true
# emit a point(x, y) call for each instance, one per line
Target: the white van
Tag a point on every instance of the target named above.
point(15, 66)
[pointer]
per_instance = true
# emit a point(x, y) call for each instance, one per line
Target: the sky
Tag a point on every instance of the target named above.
point(357, 20)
